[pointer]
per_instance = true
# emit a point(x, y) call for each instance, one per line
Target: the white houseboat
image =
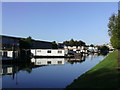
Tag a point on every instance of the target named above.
point(49, 52)
point(93, 49)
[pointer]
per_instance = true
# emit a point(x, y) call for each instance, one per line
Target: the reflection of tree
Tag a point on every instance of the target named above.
point(25, 46)
point(103, 54)
point(19, 67)
point(71, 62)
point(29, 70)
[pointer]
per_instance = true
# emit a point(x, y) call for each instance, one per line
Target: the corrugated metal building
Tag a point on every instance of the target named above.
point(7, 42)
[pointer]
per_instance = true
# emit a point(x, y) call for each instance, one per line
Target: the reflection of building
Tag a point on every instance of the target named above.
point(10, 69)
point(93, 55)
point(82, 58)
point(7, 70)
point(48, 61)
point(48, 52)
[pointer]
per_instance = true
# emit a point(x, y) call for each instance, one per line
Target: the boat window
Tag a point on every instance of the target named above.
point(49, 51)
point(38, 50)
point(38, 63)
point(5, 54)
point(59, 51)
point(48, 62)
point(59, 62)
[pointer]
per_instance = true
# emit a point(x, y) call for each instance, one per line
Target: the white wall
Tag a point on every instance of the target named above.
point(9, 53)
point(9, 70)
point(90, 48)
point(44, 52)
point(93, 49)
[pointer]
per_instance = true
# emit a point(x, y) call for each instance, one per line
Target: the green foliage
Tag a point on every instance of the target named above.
point(103, 75)
point(103, 49)
point(74, 43)
point(54, 45)
point(92, 45)
point(25, 43)
point(115, 42)
point(114, 30)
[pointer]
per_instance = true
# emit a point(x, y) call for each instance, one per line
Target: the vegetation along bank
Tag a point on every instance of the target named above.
point(103, 75)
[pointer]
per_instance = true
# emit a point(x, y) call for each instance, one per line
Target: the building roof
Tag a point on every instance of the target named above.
point(22, 38)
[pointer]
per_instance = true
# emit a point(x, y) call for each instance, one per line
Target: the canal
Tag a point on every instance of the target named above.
point(47, 72)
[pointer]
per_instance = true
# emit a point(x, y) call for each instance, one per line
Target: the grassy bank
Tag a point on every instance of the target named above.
point(103, 75)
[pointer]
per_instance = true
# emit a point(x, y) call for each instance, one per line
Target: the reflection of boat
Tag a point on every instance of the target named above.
point(11, 69)
point(76, 59)
point(48, 61)
point(93, 55)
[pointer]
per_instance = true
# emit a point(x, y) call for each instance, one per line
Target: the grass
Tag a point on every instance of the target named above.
point(103, 75)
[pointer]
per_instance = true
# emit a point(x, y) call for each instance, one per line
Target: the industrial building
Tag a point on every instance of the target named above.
point(7, 42)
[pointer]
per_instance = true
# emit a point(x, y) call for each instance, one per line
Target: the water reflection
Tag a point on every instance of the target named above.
point(39, 68)
point(11, 69)
point(48, 61)
point(76, 60)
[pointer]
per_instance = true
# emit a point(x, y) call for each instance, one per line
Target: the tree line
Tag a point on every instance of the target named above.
point(74, 43)
point(114, 30)
point(114, 33)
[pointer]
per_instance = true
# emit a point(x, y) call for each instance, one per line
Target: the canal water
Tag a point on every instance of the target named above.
point(47, 72)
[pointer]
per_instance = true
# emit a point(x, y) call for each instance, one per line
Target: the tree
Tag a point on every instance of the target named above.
point(74, 43)
point(103, 49)
point(71, 42)
point(114, 32)
point(25, 46)
point(91, 45)
point(25, 43)
point(81, 43)
point(54, 45)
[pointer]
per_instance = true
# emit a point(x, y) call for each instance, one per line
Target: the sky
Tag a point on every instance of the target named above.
point(58, 21)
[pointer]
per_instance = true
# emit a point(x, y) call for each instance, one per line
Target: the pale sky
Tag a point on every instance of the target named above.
point(58, 21)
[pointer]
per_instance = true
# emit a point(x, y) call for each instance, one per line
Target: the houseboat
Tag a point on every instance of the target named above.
point(49, 52)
